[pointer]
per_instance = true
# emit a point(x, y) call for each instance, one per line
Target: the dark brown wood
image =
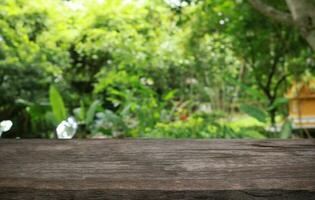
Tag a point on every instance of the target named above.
point(157, 169)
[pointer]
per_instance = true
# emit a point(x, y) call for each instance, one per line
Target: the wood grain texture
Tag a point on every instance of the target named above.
point(157, 169)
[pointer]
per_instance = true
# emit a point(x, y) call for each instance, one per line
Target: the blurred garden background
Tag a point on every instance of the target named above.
point(154, 68)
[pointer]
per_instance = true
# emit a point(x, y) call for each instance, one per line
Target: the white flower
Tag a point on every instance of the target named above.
point(67, 129)
point(174, 3)
point(146, 81)
point(150, 82)
point(191, 81)
point(206, 108)
point(5, 126)
point(143, 80)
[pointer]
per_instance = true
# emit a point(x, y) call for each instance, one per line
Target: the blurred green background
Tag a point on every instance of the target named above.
point(148, 69)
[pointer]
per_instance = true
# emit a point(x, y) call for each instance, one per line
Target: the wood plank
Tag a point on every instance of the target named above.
point(157, 169)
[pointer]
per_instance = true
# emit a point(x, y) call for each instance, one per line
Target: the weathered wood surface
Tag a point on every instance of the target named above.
point(157, 169)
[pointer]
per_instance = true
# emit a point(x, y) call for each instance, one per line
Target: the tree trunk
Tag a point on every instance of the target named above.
point(303, 14)
point(272, 115)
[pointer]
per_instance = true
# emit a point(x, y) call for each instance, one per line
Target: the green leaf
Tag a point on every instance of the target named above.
point(170, 95)
point(286, 130)
point(82, 110)
point(79, 113)
point(92, 111)
point(252, 134)
point(57, 104)
point(254, 112)
point(246, 88)
point(278, 102)
point(24, 102)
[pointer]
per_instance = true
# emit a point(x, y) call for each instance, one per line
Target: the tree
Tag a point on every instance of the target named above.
point(126, 66)
point(301, 15)
point(269, 53)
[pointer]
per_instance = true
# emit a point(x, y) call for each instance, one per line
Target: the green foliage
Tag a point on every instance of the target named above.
point(278, 103)
point(203, 127)
point(57, 105)
point(91, 112)
point(254, 112)
point(286, 130)
point(146, 68)
point(95, 121)
point(80, 112)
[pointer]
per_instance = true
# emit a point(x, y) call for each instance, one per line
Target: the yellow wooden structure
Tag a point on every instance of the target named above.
point(302, 105)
